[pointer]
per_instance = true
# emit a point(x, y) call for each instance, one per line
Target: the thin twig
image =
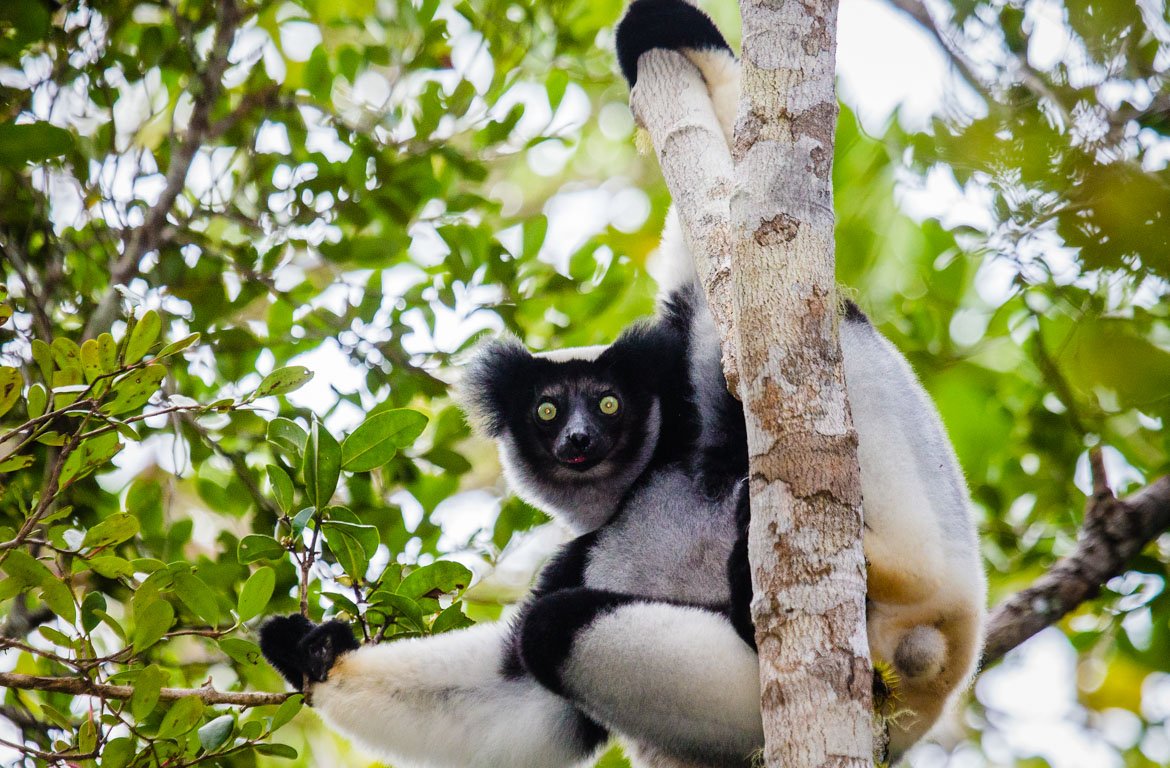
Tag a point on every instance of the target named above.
point(82, 687)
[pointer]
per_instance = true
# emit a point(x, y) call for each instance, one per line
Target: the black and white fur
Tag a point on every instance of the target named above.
point(628, 631)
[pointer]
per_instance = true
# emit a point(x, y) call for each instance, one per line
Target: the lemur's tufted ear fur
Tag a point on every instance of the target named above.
point(488, 386)
point(670, 24)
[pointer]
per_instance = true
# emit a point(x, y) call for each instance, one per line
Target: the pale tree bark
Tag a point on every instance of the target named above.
point(805, 545)
point(766, 263)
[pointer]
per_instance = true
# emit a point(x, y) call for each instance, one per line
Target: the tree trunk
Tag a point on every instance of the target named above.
point(808, 568)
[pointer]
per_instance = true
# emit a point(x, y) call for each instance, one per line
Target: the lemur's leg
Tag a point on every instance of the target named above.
point(721, 451)
point(677, 677)
point(675, 25)
point(437, 701)
point(926, 585)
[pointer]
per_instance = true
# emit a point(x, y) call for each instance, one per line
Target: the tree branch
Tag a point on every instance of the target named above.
point(1115, 530)
point(1027, 74)
point(78, 686)
point(20, 620)
point(147, 236)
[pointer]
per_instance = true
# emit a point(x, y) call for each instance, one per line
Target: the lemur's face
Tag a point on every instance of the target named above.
point(578, 422)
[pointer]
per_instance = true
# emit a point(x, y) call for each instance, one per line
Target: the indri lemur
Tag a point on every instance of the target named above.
point(635, 627)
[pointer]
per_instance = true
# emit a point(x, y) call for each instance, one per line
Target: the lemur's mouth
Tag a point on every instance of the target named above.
point(579, 462)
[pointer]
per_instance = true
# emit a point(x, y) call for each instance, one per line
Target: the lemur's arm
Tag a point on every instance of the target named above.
point(440, 701)
point(456, 699)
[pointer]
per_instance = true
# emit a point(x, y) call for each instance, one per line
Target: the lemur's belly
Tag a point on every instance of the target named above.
point(668, 543)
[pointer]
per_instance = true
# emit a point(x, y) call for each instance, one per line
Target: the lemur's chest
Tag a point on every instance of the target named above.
point(670, 543)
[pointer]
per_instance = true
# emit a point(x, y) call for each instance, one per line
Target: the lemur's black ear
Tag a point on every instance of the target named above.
point(491, 382)
point(652, 352)
point(297, 647)
point(670, 24)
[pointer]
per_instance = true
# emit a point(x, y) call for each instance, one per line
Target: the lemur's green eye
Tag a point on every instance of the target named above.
point(609, 405)
point(546, 411)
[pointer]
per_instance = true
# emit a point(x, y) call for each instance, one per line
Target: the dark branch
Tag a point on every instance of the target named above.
point(79, 686)
point(1115, 530)
point(21, 621)
point(147, 236)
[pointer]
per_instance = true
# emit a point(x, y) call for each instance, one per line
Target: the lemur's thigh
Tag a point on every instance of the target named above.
point(678, 677)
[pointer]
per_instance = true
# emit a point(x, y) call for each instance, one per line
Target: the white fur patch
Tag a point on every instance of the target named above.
point(678, 677)
point(670, 543)
point(572, 353)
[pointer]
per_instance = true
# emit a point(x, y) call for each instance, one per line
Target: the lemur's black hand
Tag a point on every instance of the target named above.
point(297, 647)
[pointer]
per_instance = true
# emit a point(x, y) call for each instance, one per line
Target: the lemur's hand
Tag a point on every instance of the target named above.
point(300, 649)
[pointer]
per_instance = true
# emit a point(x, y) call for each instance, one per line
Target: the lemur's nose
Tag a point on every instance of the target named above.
point(580, 440)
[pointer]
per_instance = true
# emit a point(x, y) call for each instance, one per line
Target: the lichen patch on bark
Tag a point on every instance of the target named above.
point(781, 228)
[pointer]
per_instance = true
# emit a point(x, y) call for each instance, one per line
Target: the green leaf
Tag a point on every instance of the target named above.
point(107, 353)
point(379, 437)
point(353, 545)
point(302, 519)
point(277, 750)
point(32, 143)
point(177, 346)
point(66, 354)
point(400, 606)
point(451, 618)
point(142, 337)
point(256, 546)
point(89, 456)
point(93, 602)
point(133, 390)
point(282, 487)
point(16, 462)
point(183, 715)
point(146, 687)
point(288, 436)
point(555, 85)
point(256, 593)
point(216, 733)
point(151, 623)
point(118, 752)
point(38, 400)
point(241, 651)
point(440, 577)
point(197, 595)
point(59, 598)
point(322, 465)
point(110, 566)
point(113, 530)
point(11, 382)
point(43, 356)
point(287, 711)
point(282, 381)
point(91, 360)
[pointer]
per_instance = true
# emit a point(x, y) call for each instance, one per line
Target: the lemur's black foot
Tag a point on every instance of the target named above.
point(297, 648)
point(669, 24)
